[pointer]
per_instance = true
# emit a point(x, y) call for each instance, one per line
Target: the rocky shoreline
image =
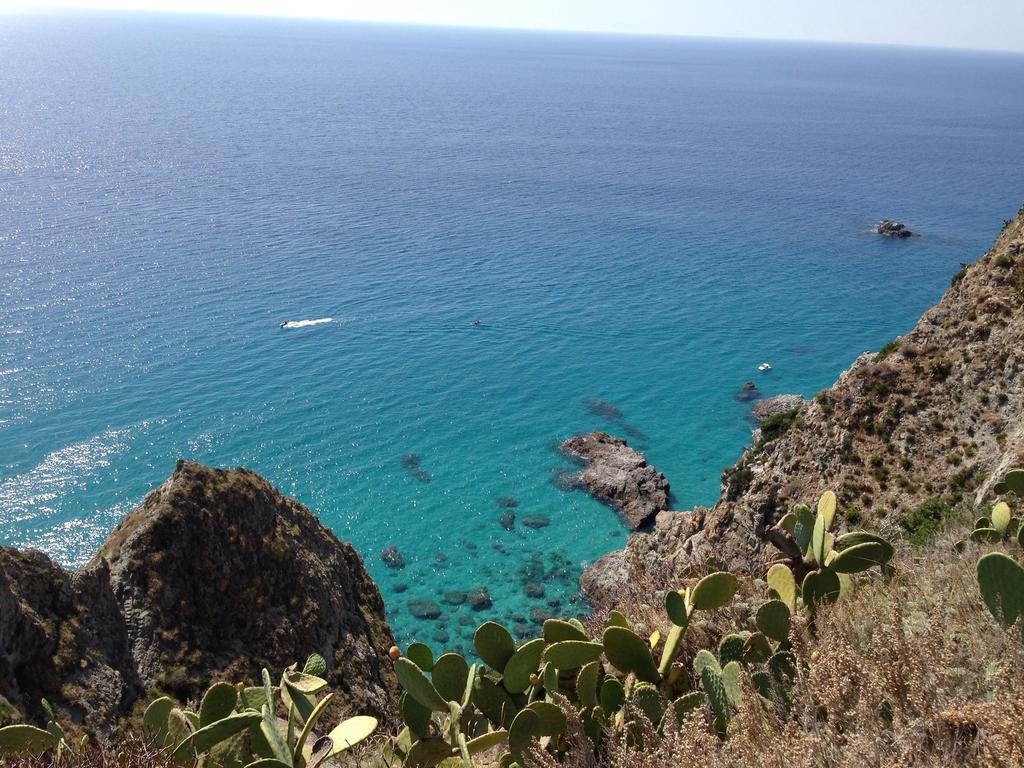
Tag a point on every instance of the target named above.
point(930, 417)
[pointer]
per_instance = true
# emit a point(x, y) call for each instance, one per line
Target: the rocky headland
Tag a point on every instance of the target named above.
point(214, 574)
point(928, 418)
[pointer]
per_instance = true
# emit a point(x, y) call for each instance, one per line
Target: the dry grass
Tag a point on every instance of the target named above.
point(914, 672)
point(132, 753)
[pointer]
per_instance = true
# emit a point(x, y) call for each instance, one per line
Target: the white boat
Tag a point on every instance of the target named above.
point(764, 367)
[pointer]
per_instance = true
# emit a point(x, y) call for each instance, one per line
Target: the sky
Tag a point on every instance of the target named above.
point(979, 24)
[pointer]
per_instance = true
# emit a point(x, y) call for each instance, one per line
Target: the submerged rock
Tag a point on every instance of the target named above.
point(392, 557)
point(748, 393)
point(602, 408)
point(413, 464)
point(479, 599)
point(507, 520)
point(424, 609)
point(896, 229)
point(455, 597)
point(566, 481)
point(620, 477)
point(533, 590)
point(215, 575)
point(507, 502)
point(536, 521)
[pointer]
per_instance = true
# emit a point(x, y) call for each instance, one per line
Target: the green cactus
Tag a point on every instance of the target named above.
point(1001, 580)
point(772, 620)
point(421, 655)
point(20, 740)
point(648, 700)
point(613, 695)
point(721, 689)
point(572, 654)
point(781, 580)
point(859, 557)
point(523, 663)
point(556, 631)
point(419, 686)
point(494, 645)
point(212, 734)
point(449, 676)
point(731, 647)
point(218, 702)
point(629, 653)
point(1013, 482)
point(986, 536)
point(713, 591)
point(820, 587)
point(1001, 516)
point(523, 732)
point(587, 684)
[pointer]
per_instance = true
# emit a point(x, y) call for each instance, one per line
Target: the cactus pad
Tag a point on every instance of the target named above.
point(628, 652)
point(1001, 579)
point(859, 557)
point(714, 591)
point(572, 654)
point(494, 645)
point(449, 676)
point(773, 620)
point(780, 580)
point(524, 662)
point(1013, 481)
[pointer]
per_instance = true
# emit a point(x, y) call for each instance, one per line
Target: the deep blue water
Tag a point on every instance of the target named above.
point(638, 220)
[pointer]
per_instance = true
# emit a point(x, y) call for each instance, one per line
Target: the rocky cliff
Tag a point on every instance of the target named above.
point(216, 574)
point(932, 415)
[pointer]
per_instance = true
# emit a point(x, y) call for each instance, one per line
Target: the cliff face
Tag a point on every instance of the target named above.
point(934, 415)
point(216, 574)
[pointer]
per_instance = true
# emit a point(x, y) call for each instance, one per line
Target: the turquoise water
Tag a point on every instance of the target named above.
point(636, 220)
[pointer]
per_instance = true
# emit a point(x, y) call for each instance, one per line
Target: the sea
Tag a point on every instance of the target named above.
point(637, 223)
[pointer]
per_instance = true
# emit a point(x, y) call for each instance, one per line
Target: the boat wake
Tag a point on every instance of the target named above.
point(306, 323)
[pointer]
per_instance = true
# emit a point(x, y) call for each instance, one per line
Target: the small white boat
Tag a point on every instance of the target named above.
point(306, 323)
point(764, 367)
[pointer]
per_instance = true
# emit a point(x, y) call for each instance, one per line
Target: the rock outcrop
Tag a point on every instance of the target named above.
point(216, 574)
point(619, 476)
point(895, 229)
point(936, 414)
point(778, 404)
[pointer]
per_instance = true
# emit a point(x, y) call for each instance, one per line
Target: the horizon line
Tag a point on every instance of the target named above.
point(42, 10)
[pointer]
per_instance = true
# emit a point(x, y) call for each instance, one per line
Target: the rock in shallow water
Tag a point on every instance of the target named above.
point(536, 521)
point(479, 599)
point(748, 393)
point(392, 557)
point(424, 609)
point(620, 477)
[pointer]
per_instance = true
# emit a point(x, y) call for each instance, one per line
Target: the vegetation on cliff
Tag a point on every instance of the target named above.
point(848, 652)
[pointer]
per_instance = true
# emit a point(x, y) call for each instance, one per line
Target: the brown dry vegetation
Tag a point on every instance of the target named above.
point(910, 672)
